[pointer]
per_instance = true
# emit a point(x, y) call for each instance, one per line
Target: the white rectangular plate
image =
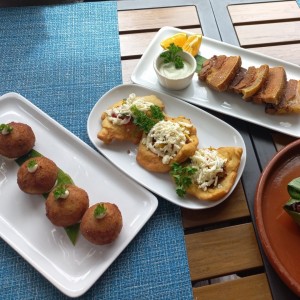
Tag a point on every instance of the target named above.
point(24, 225)
point(227, 103)
point(211, 131)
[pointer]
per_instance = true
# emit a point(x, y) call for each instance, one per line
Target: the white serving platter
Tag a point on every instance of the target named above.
point(24, 225)
point(227, 103)
point(211, 131)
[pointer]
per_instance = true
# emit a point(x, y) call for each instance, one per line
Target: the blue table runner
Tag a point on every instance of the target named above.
point(63, 58)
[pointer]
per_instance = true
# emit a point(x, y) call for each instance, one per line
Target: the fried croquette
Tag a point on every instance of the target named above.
point(37, 175)
point(117, 122)
point(16, 139)
point(66, 204)
point(171, 140)
point(216, 172)
point(101, 223)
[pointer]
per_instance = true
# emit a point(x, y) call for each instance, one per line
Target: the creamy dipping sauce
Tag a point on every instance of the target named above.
point(168, 70)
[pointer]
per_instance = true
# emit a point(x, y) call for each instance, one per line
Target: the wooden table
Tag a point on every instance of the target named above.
point(225, 257)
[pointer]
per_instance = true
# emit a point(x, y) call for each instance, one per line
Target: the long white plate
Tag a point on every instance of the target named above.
point(211, 131)
point(24, 225)
point(227, 103)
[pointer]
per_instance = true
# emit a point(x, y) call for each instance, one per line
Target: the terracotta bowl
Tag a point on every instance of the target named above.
point(279, 234)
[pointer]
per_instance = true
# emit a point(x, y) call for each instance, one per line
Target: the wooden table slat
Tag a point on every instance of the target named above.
point(263, 12)
point(280, 51)
point(148, 19)
point(266, 34)
point(127, 69)
point(223, 251)
point(233, 208)
point(282, 140)
point(253, 287)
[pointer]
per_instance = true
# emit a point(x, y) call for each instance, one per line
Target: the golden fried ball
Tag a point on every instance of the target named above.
point(67, 211)
point(16, 142)
point(101, 231)
point(37, 175)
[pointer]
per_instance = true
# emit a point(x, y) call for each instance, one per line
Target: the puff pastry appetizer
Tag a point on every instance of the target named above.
point(170, 140)
point(118, 121)
point(209, 174)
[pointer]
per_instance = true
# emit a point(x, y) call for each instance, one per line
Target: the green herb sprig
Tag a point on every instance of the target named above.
point(6, 128)
point(31, 163)
point(182, 176)
point(59, 191)
point(100, 211)
point(145, 121)
point(171, 55)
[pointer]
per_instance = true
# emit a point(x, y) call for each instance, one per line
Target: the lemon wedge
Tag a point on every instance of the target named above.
point(192, 44)
point(178, 39)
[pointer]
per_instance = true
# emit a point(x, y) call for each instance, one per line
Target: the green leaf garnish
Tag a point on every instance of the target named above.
point(182, 176)
point(171, 55)
point(72, 232)
point(294, 188)
point(59, 191)
point(200, 60)
point(5, 128)
point(100, 211)
point(146, 121)
point(31, 163)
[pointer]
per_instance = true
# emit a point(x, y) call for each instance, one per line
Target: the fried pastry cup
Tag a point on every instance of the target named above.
point(153, 163)
point(128, 132)
point(233, 156)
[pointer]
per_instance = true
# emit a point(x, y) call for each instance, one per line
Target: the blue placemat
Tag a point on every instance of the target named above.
point(298, 2)
point(63, 58)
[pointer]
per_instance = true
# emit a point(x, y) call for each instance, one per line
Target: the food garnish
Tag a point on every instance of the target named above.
point(171, 55)
point(182, 176)
point(192, 44)
point(5, 129)
point(61, 192)
point(294, 188)
point(292, 207)
point(100, 211)
point(147, 121)
point(178, 39)
point(32, 166)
